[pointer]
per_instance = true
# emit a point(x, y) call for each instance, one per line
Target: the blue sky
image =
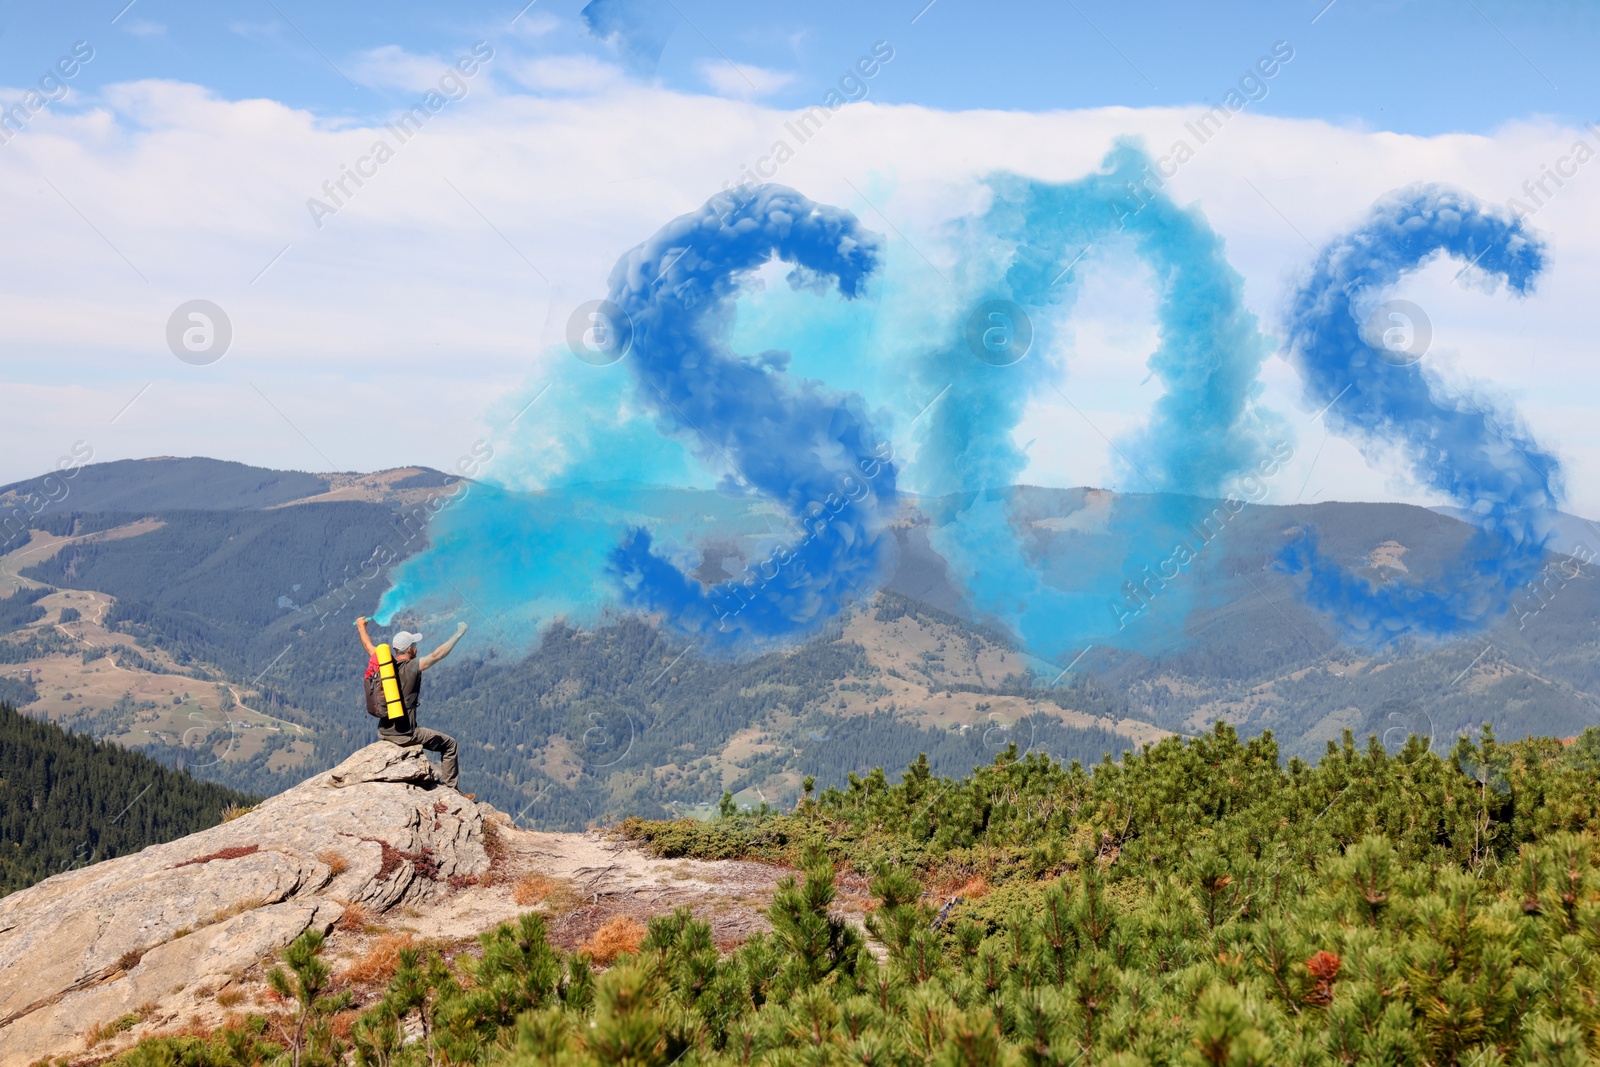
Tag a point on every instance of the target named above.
point(183, 161)
point(1411, 67)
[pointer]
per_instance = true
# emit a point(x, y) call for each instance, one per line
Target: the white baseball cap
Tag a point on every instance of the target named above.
point(404, 640)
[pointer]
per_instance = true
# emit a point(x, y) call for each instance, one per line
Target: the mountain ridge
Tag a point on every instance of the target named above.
point(226, 646)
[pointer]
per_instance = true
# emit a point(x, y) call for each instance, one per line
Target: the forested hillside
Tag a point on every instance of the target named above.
point(253, 605)
point(20, 608)
point(67, 800)
point(1200, 903)
point(637, 723)
point(583, 726)
point(161, 484)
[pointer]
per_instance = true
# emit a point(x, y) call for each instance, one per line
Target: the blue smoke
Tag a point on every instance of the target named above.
point(594, 534)
point(697, 393)
point(1032, 247)
point(638, 28)
point(808, 448)
point(511, 562)
point(810, 453)
point(1456, 439)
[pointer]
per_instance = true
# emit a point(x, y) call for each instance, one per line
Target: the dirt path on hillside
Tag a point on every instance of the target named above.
point(45, 545)
point(12, 563)
point(300, 731)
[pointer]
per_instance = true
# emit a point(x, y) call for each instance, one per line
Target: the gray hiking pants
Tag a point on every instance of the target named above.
point(432, 741)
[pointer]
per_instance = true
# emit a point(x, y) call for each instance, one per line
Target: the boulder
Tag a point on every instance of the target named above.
point(90, 945)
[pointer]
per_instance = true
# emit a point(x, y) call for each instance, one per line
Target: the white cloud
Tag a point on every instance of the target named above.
point(742, 79)
point(430, 287)
point(392, 67)
point(143, 28)
point(570, 73)
point(254, 29)
point(532, 24)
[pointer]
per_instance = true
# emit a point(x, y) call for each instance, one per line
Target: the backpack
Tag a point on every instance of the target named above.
point(376, 706)
point(383, 688)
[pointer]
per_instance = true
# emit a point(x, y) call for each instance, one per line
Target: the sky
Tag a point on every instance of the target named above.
point(194, 150)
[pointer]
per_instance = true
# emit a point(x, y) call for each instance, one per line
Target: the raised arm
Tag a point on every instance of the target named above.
point(366, 642)
point(443, 650)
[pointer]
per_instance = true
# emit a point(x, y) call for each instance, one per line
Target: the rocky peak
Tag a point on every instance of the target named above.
point(92, 944)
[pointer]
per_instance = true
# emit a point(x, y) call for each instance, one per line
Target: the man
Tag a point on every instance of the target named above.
point(408, 673)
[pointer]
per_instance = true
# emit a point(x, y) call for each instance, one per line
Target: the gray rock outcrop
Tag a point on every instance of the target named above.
point(87, 946)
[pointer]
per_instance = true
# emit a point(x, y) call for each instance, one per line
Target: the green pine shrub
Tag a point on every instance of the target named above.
point(1195, 904)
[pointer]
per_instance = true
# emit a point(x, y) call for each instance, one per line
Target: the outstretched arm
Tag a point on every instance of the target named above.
point(366, 642)
point(443, 650)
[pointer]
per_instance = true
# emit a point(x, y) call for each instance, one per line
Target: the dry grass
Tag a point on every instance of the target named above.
point(334, 860)
point(556, 894)
point(101, 1031)
point(355, 919)
point(233, 811)
point(974, 888)
point(960, 881)
point(618, 936)
point(228, 998)
point(238, 908)
point(531, 889)
point(342, 1022)
point(195, 1027)
point(378, 964)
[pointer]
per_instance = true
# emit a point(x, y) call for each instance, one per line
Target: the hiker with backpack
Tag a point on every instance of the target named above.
point(394, 685)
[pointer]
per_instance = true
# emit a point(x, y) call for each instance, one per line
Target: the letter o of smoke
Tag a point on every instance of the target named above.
point(999, 332)
point(1028, 251)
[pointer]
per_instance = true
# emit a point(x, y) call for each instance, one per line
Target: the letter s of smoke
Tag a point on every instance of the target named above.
point(790, 441)
point(1454, 438)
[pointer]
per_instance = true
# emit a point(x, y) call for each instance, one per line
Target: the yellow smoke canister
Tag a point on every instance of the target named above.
point(391, 684)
